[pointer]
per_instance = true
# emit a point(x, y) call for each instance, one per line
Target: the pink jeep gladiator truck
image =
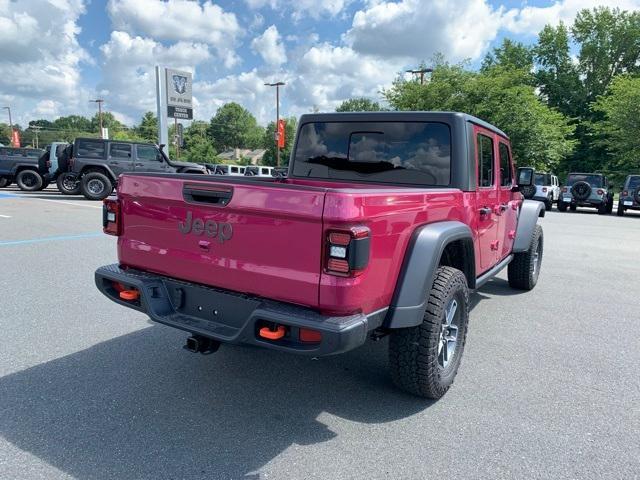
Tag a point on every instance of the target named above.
point(384, 226)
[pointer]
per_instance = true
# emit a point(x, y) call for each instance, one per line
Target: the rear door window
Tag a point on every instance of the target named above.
point(90, 149)
point(485, 161)
point(120, 150)
point(412, 153)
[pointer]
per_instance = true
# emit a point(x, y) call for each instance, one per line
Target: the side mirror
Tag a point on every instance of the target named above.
point(525, 176)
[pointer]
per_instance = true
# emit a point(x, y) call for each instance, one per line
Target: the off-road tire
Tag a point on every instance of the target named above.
point(89, 180)
point(528, 191)
point(573, 207)
point(414, 356)
point(602, 209)
point(62, 186)
point(524, 269)
point(562, 207)
point(45, 184)
point(4, 182)
point(610, 206)
point(620, 210)
point(581, 190)
point(29, 180)
point(548, 205)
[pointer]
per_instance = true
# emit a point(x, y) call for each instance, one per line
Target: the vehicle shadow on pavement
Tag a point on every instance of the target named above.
point(139, 406)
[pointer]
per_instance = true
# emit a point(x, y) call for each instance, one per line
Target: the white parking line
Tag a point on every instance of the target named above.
point(5, 216)
point(61, 201)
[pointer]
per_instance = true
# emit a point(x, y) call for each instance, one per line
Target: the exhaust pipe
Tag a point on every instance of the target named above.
point(203, 345)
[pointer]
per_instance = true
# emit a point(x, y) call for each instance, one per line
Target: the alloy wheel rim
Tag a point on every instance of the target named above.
point(96, 187)
point(448, 341)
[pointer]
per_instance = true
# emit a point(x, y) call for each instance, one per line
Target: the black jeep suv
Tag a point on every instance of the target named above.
point(20, 165)
point(630, 195)
point(97, 163)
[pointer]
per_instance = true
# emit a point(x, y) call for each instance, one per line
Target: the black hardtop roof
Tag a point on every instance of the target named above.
point(113, 140)
point(582, 173)
point(398, 116)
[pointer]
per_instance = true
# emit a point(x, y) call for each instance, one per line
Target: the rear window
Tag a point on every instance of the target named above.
point(634, 182)
point(91, 149)
point(593, 180)
point(542, 179)
point(412, 153)
point(34, 153)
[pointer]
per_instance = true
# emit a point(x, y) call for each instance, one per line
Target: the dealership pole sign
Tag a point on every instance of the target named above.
point(179, 100)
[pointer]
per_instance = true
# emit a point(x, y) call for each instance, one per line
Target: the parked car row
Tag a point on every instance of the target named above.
point(584, 190)
point(91, 166)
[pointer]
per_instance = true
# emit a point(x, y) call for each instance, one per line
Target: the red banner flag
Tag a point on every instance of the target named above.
point(15, 138)
point(280, 137)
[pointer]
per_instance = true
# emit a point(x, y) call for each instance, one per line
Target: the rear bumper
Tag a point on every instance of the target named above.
point(541, 199)
point(231, 317)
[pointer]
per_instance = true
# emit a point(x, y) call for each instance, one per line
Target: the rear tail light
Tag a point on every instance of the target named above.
point(310, 336)
point(347, 251)
point(625, 193)
point(111, 217)
point(565, 189)
point(544, 189)
point(600, 192)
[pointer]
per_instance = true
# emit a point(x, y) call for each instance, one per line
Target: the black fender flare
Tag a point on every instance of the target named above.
point(527, 220)
point(418, 271)
point(24, 166)
point(98, 168)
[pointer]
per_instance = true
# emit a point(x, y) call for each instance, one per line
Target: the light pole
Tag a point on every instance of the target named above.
point(421, 72)
point(277, 85)
point(10, 123)
point(99, 101)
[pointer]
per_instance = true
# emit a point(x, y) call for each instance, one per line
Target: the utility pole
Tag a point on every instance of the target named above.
point(277, 85)
point(10, 124)
point(421, 72)
point(36, 130)
point(99, 101)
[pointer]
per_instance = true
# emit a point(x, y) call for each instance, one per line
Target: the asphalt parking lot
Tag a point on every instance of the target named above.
point(549, 386)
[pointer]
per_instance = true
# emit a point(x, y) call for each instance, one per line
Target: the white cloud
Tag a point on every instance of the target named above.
point(270, 47)
point(416, 29)
point(180, 20)
point(128, 69)
point(40, 56)
point(299, 9)
point(530, 20)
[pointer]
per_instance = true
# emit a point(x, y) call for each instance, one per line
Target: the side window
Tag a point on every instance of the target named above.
point(91, 149)
point(120, 150)
point(147, 153)
point(234, 169)
point(485, 161)
point(506, 174)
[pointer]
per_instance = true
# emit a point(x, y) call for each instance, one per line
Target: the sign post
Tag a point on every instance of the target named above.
point(161, 99)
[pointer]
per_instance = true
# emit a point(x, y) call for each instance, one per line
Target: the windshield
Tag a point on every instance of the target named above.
point(415, 153)
point(542, 179)
point(592, 179)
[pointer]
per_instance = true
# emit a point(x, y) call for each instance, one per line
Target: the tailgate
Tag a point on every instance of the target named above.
point(254, 237)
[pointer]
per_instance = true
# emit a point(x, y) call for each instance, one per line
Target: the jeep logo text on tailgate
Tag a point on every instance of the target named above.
point(220, 230)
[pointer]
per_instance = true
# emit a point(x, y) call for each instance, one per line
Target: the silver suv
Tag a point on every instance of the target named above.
point(586, 190)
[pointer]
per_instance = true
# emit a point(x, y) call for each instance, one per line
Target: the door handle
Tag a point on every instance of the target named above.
point(114, 163)
point(139, 164)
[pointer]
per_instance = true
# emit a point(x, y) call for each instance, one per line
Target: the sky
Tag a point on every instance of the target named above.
point(57, 55)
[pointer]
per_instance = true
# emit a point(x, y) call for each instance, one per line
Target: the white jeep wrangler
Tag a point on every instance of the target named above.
point(547, 189)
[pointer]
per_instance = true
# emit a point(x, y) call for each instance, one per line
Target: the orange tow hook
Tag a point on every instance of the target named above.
point(129, 295)
point(277, 334)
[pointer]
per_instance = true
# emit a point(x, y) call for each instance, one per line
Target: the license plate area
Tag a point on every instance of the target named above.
point(627, 203)
point(206, 303)
point(566, 199)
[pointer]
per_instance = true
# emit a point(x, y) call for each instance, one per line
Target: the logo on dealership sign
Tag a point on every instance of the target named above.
point(180, 84)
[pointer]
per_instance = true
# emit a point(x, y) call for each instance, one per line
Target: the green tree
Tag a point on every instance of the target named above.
point(619, 130)
point(148, 128)
point(609, 42)
point(270, 145)
point(540, 135)
point(233, 126)
point(510, 55)
point(197, 144)
point(359, 104)
point(108, 121)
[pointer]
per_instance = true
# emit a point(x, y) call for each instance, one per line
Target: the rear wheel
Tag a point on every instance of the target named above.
point(602, 209)
point(95, 186)
point(524, 269)
point(68, 184)
point(4, 182)
point(620, 210)
point(549, 204)
point(29, 180)
point(424, 359)
point(573, 207)
point(562, 207)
